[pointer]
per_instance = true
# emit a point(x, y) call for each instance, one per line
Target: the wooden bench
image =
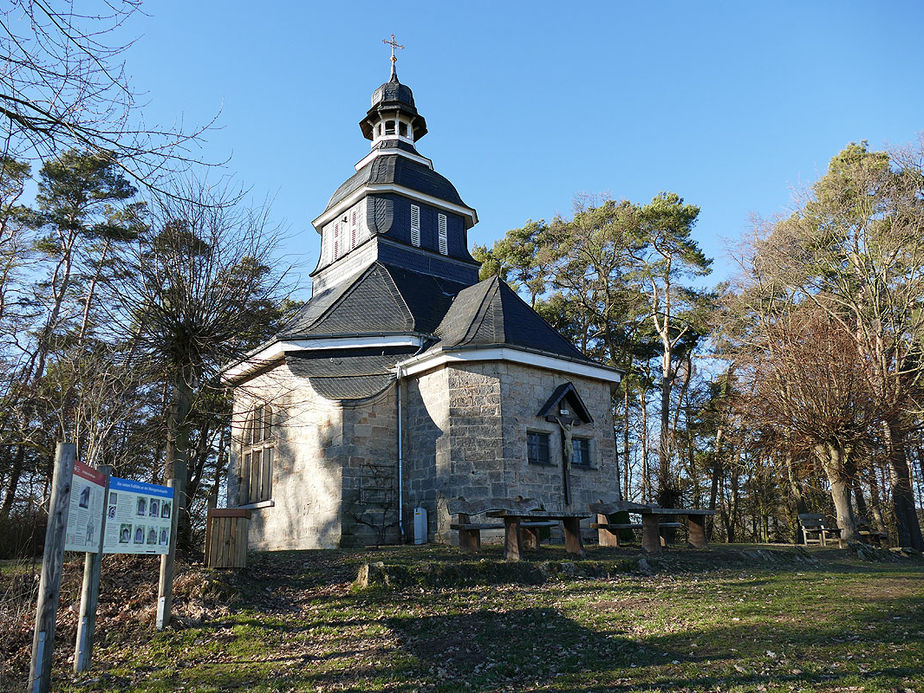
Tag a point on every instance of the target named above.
point(651, 526)
point(470, 532)
point(515, 518)
point(816, 530)
point(870, 535)
point(608, 532)
point(530, 532)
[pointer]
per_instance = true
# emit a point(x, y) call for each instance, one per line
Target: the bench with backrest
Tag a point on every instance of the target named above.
point(462, 511)
point(816, 530)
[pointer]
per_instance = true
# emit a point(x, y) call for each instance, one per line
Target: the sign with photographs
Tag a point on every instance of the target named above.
point(85, 514)
point(138, 517)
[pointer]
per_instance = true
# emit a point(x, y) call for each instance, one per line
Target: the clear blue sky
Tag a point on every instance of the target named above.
point(729, 104)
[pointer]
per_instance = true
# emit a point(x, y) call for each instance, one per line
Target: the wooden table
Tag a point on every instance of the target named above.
point(651, 523)
point(512, 520)
point(651, 536)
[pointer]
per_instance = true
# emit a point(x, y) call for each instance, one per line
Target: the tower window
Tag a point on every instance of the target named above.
point(402, 129)
point(336, 241)
point(415, 226)
point(389, 127)
point(353, 231)
point(444, 244)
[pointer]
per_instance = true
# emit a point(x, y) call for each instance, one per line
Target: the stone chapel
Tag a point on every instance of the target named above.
point(405, 381)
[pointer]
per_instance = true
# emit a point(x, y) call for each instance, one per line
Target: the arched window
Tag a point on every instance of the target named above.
point(258, 443)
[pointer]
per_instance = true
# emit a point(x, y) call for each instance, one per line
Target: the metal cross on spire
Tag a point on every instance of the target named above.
point(394, 44)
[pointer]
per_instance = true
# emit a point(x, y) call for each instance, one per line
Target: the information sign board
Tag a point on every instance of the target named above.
point(85, 513)
point(138, 517)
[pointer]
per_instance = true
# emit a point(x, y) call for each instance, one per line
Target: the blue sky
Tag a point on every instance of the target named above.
point(731, 105)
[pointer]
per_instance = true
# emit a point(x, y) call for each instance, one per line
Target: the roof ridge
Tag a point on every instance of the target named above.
point(481, 313)
point(345, 293)
point(395, 291)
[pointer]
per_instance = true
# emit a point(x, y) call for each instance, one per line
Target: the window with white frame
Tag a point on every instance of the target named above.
point(353, 230)
point(258, 443)
point(415, 226)
point(444, 243)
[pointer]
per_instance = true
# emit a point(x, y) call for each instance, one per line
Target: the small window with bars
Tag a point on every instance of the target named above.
point(444, 242)
point(258, 442)
point(415, 226)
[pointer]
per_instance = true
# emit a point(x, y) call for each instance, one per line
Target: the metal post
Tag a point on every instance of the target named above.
point(89, 594)
point(168, 560)
point(49, 587)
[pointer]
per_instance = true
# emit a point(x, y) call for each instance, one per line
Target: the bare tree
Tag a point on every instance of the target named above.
point(200, 288)
point(63, 86)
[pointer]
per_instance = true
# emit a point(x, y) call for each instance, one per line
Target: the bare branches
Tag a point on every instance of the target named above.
point(63, 85)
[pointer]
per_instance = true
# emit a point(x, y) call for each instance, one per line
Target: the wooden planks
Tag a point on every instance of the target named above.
point(226, 538)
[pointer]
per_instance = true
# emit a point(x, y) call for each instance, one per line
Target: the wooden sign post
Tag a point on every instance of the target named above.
point(50, 584)
point(168, 560)
point(89, 594)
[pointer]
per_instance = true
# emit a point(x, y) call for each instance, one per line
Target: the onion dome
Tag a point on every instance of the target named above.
point(393, 114)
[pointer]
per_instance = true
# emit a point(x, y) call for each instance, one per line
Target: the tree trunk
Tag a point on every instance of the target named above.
point(862, 509)
point(834, 460)
point(645, 491)
point(13, 484)
point(625, 441)
point(177, 451)
point(906, 517)
point(875, 501)
point(665, 446)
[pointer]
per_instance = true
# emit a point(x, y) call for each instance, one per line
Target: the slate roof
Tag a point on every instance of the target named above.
point(393, 90)
point(388, 98)
point(381, 299)
point(401, 171)
point(490, 313)
point(339, 375)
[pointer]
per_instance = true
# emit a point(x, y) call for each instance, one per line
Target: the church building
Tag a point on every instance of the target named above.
point(405, 382)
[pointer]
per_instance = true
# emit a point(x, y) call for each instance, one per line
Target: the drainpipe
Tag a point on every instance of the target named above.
point(400, 458)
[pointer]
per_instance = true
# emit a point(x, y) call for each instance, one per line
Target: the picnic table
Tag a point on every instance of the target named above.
point(515, 518)
point(462, 512)
point(651, 524)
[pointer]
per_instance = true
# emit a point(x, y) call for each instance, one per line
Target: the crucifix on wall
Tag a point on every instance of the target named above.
point(566, 423)
point(566, 409)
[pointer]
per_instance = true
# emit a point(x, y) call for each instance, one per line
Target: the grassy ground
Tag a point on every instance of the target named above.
point(727, 619)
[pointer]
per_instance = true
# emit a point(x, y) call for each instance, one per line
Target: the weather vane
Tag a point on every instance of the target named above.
point(394, 44)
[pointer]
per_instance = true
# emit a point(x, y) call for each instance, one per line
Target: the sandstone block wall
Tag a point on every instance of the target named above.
point(307, 465)
point(466, 434)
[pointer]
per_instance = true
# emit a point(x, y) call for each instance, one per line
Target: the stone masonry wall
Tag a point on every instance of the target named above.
point(307, 478)
point(426, 445)
point(525, 390)
point(370, 471)
point(482, 450)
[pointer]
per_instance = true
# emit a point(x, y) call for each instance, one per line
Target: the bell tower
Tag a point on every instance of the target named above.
point(396, 209)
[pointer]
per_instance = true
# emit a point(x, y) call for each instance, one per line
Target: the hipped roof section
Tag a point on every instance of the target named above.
point(491, 314)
